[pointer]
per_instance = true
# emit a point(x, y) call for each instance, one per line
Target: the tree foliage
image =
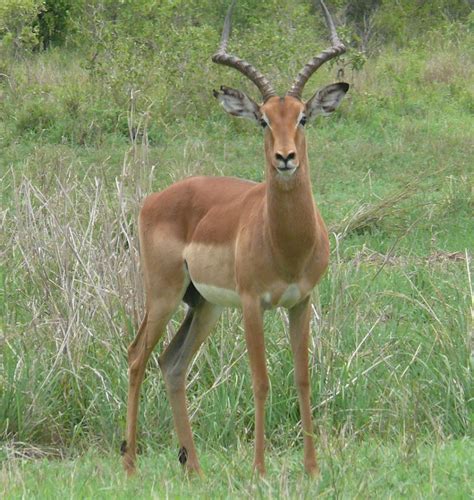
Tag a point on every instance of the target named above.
point(54, 22)
point(33, 24)
point(18, 31)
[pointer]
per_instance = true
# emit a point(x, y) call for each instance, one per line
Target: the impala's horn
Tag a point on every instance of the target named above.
point(252, 73)
point(337, 48)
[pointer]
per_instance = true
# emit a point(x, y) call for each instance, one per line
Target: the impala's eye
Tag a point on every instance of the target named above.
point(263, 123)
point(303, 121)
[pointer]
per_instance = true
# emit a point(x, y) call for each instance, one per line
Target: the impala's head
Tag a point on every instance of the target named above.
point(283, 118)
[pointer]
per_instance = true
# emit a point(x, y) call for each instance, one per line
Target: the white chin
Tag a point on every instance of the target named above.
point(287, 172)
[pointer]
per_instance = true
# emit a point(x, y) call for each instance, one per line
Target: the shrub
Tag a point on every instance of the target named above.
point(53, 22)
point(17, 30)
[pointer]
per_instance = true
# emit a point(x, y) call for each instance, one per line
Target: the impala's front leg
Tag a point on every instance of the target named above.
point(299, 337)
point(253, 324)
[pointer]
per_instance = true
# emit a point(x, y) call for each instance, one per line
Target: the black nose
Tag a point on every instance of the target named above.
point(290, 156)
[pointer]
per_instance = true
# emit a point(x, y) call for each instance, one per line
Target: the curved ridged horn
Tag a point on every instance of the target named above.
point(335, 50)
point(222, 57)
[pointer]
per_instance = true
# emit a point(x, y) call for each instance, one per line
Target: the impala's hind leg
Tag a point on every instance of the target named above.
point(162, 301)
point(174, 363)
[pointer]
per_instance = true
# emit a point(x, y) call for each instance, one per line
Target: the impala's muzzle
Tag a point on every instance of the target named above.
point(286, 165)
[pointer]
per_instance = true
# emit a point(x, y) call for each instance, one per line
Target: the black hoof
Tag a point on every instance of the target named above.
point(182, 455)
point(123, 448)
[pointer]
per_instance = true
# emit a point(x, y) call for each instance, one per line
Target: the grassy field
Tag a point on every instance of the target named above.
point(392, 328)
point(350, 470)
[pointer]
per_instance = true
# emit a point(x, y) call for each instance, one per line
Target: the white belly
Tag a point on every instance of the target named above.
point(230, 298)
point(219, 296)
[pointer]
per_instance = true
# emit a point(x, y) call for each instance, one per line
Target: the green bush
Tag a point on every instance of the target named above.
point(54, 22)
point(18, 32)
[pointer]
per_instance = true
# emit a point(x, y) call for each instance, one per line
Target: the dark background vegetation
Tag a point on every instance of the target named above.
point(162, 49)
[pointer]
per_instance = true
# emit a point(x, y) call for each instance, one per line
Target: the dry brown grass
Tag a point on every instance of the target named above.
point(448, 68)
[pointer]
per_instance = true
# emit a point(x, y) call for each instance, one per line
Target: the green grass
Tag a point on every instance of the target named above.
point(348, 470)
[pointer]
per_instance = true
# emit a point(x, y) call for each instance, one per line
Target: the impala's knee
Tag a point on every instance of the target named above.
point(175, 382)
point(133, 354)
point(174, 377)
point(133, 371)
point(136, 363)
point(302, 384)
point(261, 389)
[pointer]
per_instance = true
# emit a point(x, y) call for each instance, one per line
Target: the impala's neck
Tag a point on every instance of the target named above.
point(292, 221)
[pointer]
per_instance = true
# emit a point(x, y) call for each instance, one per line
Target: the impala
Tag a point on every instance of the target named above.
point(220, 241)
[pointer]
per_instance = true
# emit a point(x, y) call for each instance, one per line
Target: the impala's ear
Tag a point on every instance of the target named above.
point(326, 100)
point(237, 103)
